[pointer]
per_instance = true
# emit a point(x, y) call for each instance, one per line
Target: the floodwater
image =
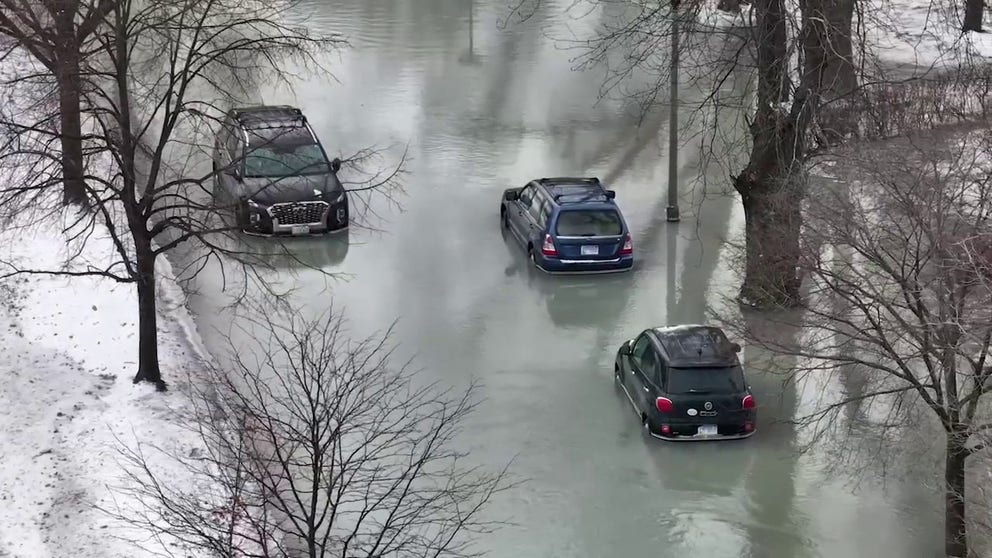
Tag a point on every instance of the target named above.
point(484, 107)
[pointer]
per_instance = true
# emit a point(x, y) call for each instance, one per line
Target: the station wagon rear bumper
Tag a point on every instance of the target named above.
point(556, 266)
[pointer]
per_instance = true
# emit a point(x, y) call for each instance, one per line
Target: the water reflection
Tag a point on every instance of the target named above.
point(471, 307)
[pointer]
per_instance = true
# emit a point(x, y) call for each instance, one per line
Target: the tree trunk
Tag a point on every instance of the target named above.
point(773, 219)
point(955, 533)
point(148, 365)
point(830, 23)
point(768, 186)
point(69, 83)
point(973, 10)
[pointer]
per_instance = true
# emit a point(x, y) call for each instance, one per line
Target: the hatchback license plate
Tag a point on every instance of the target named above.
point(707, 430)
point(590, 250)
point(300, 230)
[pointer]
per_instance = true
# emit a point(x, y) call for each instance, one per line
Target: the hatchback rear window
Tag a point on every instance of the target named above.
point(729, 379)
point(589, 222)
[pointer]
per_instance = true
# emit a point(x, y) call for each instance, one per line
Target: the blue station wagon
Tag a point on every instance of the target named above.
point(569, 225)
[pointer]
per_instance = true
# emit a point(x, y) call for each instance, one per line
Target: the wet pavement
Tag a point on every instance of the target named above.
point(490, 108)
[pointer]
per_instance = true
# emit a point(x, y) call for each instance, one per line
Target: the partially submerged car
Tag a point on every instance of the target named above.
point(568, 225)
point(274, 173)
point(686, 383)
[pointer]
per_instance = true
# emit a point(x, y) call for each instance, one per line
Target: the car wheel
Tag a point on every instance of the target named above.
point(646, 426)
point(616, 375)
point(533, 256)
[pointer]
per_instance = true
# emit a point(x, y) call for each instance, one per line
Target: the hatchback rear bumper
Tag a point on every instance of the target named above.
point(557, 266)
point(698, 438)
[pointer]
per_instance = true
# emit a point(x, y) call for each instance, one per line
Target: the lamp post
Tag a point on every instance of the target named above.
point(672, 212)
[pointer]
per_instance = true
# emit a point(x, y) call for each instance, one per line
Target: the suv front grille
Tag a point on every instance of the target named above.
point(299, 213)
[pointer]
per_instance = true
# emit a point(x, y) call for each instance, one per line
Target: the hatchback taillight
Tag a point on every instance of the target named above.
point(628, 246)
point(548, 248)
point(664, 405)
point(748, 402)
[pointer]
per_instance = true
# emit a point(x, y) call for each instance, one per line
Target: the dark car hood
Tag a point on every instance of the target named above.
point(268, 191)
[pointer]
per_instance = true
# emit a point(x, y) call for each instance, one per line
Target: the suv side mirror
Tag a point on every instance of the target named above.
point(232, 170)
point(611, 194)
point(335, 165)
point(625, 348)
point(511, 195)
point(736, 347)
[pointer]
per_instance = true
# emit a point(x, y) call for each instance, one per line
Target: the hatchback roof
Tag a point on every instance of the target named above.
point(696, 346)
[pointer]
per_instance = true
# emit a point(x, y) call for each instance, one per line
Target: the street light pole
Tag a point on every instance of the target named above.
point(672, 211)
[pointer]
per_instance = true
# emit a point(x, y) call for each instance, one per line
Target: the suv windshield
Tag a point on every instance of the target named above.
point(589, 222)
point(285, 159)
point(706, 380)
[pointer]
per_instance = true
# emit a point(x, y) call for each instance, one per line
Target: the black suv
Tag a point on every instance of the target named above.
point(686, 383)
point(271, 169)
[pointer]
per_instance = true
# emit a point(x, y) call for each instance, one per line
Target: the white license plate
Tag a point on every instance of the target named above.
point(300, 229)
point(707, 430)
point(590, 250)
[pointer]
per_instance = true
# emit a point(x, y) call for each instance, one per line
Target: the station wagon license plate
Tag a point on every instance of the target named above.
point(707, 430)
point(300, 230)
point(590, 250)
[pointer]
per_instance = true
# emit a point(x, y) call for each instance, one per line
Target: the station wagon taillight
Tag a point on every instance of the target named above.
point(748, 402)
point(548, 248)
point(628, 246)
point(664, 405)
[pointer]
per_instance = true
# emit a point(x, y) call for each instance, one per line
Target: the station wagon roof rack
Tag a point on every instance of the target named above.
point(569, 180)
point(580, 198)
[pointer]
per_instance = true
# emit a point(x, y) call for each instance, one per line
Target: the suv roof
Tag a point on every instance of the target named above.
point(269, 116)
point(566, 189)
point(696, 346)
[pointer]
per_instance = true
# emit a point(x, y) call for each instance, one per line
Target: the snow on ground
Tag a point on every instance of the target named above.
point(67, 360)
point(922, 33)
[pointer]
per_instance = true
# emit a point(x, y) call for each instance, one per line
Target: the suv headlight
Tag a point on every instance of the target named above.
point(335, 197)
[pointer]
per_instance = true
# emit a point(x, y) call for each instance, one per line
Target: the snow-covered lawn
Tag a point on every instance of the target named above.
point(67, 359)
point(923, 33)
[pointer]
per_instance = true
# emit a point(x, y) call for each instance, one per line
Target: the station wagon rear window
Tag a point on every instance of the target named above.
point(589, 222)
point(724, 380)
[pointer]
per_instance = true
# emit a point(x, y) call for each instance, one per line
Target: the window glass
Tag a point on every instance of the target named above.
point(729, 379)
point(526, 195)
point(285, 159)
point(589, 222)
point(536, 208)
point(641, 347)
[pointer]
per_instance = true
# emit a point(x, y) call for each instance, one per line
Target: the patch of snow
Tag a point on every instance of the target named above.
point(67, 360)
point(921, 33)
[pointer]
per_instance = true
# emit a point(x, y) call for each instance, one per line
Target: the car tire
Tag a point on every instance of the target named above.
point(533, 257)
point(646, 426)
point(616, 375)
point(504, 220)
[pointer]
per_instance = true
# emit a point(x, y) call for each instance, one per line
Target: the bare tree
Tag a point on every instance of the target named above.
point(899, 267)
point(162, 76)
point(57, 34)
point(314, 445)
point(791, 90)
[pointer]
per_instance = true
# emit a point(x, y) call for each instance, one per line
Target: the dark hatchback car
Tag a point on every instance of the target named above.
point(568, 225)
point(273, 172)
point(686, 383)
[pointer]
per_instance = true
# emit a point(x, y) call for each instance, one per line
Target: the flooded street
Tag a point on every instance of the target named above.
point(484, 108)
